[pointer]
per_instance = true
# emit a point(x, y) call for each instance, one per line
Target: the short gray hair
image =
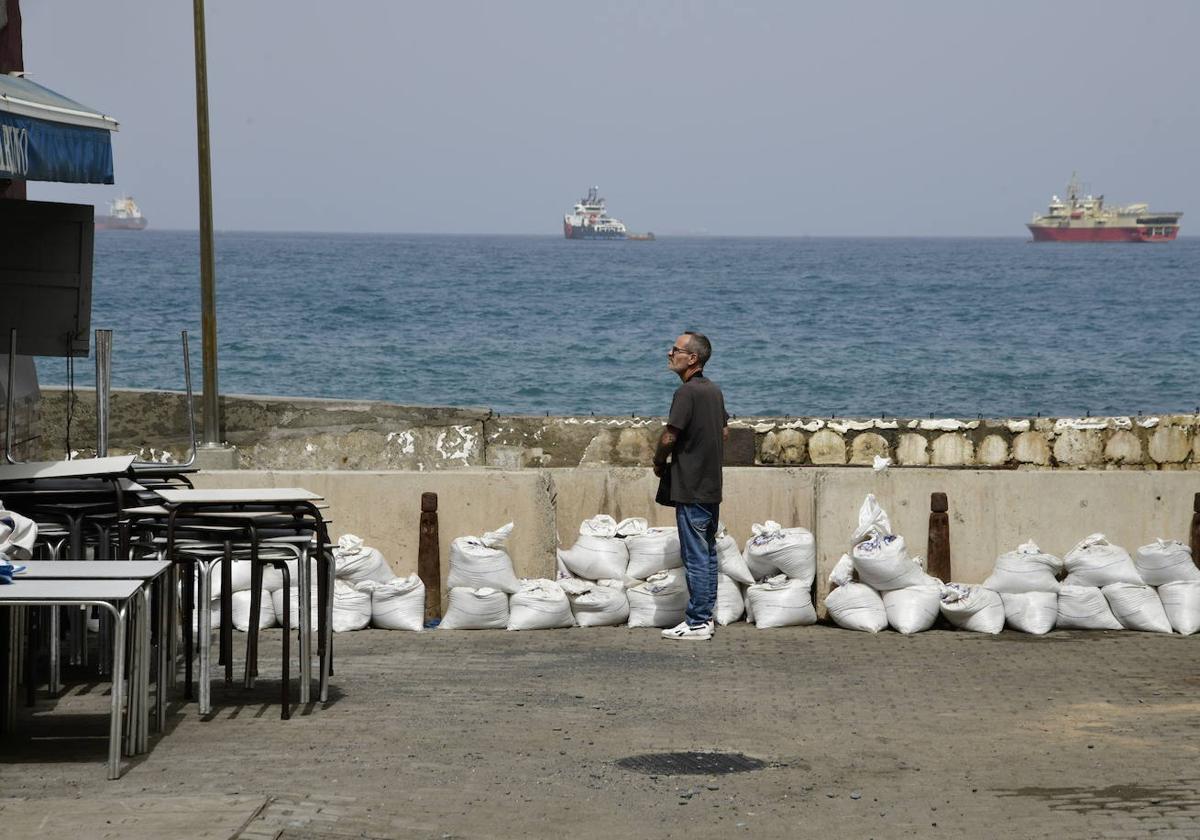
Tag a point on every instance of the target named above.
point(699, 344)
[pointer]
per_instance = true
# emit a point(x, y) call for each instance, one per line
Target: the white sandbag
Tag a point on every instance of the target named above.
point(872, 520)
point(973, 608)
point(1165, 561)
point(398, 604)
point(1094, 561)
point(1030, 612)
point(1028, 569)
point(775, 550)
point(240, 610)
point(476, 609)
point(913, 609)
point(1181, 603)
point(659, 602)
point(540, 604)
point(780, 601)
point(17, 536)
point(351, 607)
point(730, 561)
point(355, 562)
point(1084, 608)
point(596, 554)
point(731, 605)
point(1137, 607)
point(653, 550)
point(483, 562)
point(597, 604)
point(294, 608)
point(883, 564)
point(214, 611)
point(857, 606)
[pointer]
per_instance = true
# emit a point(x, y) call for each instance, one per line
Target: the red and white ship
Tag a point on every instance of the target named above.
point(1085, 218)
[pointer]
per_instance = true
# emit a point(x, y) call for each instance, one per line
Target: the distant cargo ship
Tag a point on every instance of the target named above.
point(590, 220)
point(123, 214)
point(1080, 218)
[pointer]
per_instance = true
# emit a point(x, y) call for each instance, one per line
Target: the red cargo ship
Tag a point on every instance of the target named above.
point(1084, 218)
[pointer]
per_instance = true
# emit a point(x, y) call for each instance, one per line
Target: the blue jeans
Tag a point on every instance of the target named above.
point(698, 545)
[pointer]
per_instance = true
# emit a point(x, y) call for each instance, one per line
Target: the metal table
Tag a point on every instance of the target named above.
point(116, 596)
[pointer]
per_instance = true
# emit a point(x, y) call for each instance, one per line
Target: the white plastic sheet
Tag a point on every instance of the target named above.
point(1084, 608)
point(483, 608)
point(1094, 561)
point(780, 601)
point(483, 562)
point(1165, 561)
point(1028, 569)
point(539, 604)
point(1137, 607)
point(973, 608)
point(1030, 612)
point(857, 606)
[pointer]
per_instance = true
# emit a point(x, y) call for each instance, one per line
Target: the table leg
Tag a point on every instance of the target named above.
point(54, 678)
point(227, 612)
point(204, 618)
point(305, 622)
point(165, 631)
point(327, 614)
point(118, 652)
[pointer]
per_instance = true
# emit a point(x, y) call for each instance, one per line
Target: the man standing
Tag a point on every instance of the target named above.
point(695, 440)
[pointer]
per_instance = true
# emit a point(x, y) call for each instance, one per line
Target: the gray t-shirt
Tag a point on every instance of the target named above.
point(698, 412)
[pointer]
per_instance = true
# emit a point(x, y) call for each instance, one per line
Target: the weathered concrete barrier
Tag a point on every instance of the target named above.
point(990, 511)
point(299, 433)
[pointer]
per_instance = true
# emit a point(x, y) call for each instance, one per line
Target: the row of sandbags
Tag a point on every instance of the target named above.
point(877, 585)
point(398, 604)
point(631, 550)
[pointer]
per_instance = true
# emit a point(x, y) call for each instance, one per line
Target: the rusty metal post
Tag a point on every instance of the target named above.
point(939, 537)
point(429, 566)
point(1195, 540)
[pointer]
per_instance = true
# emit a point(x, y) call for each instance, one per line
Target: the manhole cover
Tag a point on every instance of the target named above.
point(690, 763)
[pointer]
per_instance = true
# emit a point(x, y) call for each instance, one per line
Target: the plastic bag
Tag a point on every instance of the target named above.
point(660, 601)
point(1094, 561)
point(1165, 561)
point(597, 604)
point(730, 560)
point(731, 604)
point(398, 604)
point(653, 550)
point(913, 609)
point(775, 550)
point(1181, 603)
point(1084, 608)
point(1137, 607)
point(483, 608)
point(1030, 612)
point(780, 601)
point(483, 562)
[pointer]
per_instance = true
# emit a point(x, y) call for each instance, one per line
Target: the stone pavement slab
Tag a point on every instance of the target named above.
point(491, 734)
point(129, 818)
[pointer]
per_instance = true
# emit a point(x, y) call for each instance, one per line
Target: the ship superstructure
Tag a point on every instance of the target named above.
point(590, 220)
point(1080, 217)
point(123, 214)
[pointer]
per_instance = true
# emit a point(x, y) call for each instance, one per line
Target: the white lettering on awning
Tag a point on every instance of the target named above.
point(14, 150)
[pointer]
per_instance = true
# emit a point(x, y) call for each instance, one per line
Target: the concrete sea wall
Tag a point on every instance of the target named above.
point(991, 511)
point(297, 433)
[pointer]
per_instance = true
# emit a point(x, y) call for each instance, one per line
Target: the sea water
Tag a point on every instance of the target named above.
point(527, 324)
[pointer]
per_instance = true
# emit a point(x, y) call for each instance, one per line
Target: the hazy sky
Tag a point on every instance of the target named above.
point(862, 118)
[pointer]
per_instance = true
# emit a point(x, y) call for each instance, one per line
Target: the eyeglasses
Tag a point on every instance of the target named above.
point(675, 350)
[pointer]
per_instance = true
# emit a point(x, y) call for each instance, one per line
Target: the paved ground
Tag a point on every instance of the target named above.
point(499, 735)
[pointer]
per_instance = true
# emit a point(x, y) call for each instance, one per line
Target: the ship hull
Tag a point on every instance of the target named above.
point(109, 223)
point(571, 231)
point(1049, 233)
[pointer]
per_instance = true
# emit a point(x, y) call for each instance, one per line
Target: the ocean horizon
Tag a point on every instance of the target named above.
point(532, 323)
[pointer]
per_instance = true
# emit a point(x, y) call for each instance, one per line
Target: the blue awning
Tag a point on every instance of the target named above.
point(46, 137)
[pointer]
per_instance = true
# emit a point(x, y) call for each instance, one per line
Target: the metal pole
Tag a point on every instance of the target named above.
point(10, 397)
point(208, 297)
point(103, 389)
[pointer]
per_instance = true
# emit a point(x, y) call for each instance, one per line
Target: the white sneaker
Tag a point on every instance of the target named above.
point(683, 630)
